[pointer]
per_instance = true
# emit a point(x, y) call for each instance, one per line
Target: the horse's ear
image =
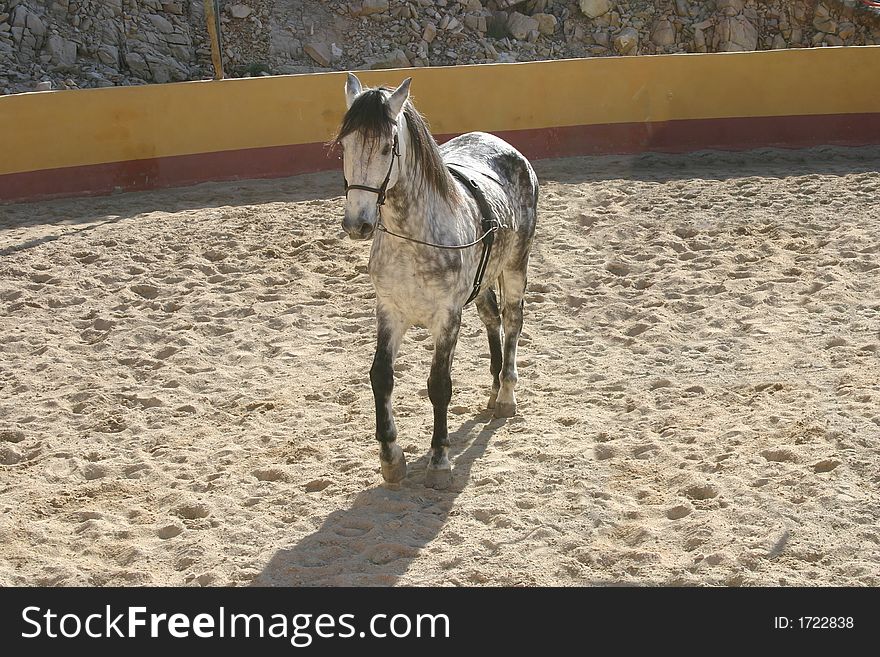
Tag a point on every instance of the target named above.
point(398, 98)
point(352, 89)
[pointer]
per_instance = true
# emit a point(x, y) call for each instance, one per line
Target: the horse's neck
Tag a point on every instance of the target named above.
point(411, 205)
point(414, 207)
point(408, 210)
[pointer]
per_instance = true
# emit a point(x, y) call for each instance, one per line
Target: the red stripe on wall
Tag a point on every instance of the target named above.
point(175, 171)
point(615, 138)
point(739, 133)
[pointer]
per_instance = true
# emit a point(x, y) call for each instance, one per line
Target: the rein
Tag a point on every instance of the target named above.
point(381, 226)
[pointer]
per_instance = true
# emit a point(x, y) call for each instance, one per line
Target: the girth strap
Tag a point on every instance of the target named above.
point(488, 222)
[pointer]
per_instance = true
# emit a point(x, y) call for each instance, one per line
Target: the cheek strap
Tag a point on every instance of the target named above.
point(379, 191)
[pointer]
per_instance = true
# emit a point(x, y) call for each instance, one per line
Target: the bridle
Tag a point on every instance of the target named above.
point(490, 224)
point(379, 191)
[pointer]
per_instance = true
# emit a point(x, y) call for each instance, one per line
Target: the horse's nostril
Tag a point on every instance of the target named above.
point(366, 229)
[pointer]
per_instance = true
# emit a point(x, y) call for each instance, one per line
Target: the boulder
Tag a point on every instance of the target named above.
point(63, 51)
point(108, 55)
point(519, 25)
point(546, 23)
point(595, 8)
point(373, 7)
point(320, 52)
point(663, 33)
point(240, 11)
point(161, 23)
point(735, 34)
point(394, 59)
point(627, 41)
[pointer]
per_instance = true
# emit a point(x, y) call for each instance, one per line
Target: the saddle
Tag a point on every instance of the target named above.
point(489, 223)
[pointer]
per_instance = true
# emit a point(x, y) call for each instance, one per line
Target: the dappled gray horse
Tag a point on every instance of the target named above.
point(449, 225)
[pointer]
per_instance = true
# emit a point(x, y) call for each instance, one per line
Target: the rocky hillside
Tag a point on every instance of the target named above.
point(51, 44)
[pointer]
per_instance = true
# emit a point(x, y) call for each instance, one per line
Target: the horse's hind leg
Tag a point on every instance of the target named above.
point(513, 287)
point(389, 335)
point(487, 307)
point(439, 471)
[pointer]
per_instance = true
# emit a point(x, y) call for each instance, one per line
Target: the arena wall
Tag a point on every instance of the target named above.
point(98, 141)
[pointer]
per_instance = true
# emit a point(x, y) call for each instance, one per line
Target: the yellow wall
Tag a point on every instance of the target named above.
point(68, 128)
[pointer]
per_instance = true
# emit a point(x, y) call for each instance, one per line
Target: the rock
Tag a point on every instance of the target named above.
point(682, 8)
point(109, 55)
point(473, 6)
point(778, 42)
point(546, 23)
point(35, 25)
point(137, 65)
point(519, 25)
point(317, 485)
point(45, 85)
point(663, 33)
point(240, 11)
point(19, 16)
point(825, 24)
point(179, 39)
point(736, 5)
point(833, 40)
point(394, 59)
point(536, 6)
point(699, 40)
point(63, 52)
point(845, 30)
point(319, 52)
point(160, 70)
point(160, 23)
point(595, 8)
point(373, 7)
point(429, 33)
point(627, 41)
point(735, 34)
point(476, 23)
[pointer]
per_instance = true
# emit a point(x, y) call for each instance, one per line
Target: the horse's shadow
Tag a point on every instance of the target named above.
point(374, 542)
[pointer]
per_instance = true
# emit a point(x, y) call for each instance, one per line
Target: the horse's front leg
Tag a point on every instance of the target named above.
point(389, 335)
point(439, 472)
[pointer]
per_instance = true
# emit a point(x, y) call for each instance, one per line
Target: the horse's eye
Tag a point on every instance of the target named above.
point(386, 150)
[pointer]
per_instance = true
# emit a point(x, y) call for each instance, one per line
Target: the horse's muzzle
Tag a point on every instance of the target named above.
point(359, 228)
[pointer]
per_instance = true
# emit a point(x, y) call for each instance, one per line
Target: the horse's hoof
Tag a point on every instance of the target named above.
point(491, 403)
point(438, 478)
point(503, 409)
point(393, 470)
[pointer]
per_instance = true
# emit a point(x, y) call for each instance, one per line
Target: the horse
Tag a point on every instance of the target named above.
point(428, 210)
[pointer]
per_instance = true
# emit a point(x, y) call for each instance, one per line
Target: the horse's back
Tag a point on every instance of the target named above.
point(491, 155)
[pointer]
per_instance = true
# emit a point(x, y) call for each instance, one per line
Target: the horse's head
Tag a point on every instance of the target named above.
point(372, 143)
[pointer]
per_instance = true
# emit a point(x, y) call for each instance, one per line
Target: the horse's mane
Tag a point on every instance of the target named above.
point(369, 115)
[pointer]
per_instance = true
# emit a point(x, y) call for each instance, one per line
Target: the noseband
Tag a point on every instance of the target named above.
point(380, 191)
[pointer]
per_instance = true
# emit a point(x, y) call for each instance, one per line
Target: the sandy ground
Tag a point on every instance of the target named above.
point(185, 395)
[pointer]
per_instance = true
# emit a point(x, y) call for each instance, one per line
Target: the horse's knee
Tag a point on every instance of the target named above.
point(381, 374)
point(439, 388)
